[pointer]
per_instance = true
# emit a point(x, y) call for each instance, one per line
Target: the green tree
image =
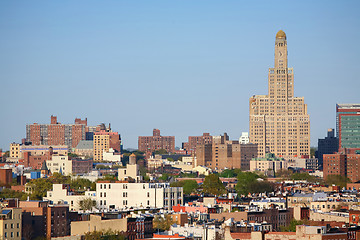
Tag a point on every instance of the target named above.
point(292, 226)
point(160, 151)
point(303, 176)
point(81, 184)
point(164, 176)
point(230, 173)
point(163, 223)
point(312, 151)
point(107, 177)
point(188, 175)
point(73, 155)
point(245, 179)
point(337, 180)
point(284, 173)
point(58, 178)
point(189, 186)
point(101, 166)
point(261, 187)
point(87, 204)
point(213, 185)
point(40, 187)
point(8, 193)
point(143, 171)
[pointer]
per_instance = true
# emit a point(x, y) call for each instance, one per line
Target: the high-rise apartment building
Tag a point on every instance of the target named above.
point(193, 141)
point(328, 145)
point(344, 163)
point(348, 125)
point(279, 122)
point(222, 153)
point(105, 139)
point(156, 142)
point(56, 133)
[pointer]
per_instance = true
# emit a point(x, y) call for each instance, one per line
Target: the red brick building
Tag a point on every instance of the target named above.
point(43, 220)
point(354, 217)
point(81, 166)
point(56, 133)
point(35, 161)
point(193, 141)
point(334, 164)
point(5, 177)
point(345, 163)
point(57, 221)
point(156, 142)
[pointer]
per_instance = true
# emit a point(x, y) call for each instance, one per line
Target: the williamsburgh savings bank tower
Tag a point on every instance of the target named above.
point(279, 122)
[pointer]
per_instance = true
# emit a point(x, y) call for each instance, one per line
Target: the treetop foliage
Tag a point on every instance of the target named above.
point(213, 185)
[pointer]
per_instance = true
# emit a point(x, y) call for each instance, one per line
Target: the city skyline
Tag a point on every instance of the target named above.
point(184, 68)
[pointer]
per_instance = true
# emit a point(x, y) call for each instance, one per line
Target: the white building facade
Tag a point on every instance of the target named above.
point(60, 164)
point(61, 194)
point(123, 195)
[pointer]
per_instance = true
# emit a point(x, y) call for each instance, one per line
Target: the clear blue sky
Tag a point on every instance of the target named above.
point(185, 67)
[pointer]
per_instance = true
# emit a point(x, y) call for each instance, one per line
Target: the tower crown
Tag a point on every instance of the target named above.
point(281, 34)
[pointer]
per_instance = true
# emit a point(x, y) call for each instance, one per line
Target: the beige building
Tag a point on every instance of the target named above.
point(43, 149)
point(279, 122)
point(60, 164)
point(268, 164)
point(97, 224)
point(130, 171)
point(103, 141)
point(17, 150)
point(329, 216)
point(223, 153)
point(10, 223)
point(14, 150)
point(101, 145)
